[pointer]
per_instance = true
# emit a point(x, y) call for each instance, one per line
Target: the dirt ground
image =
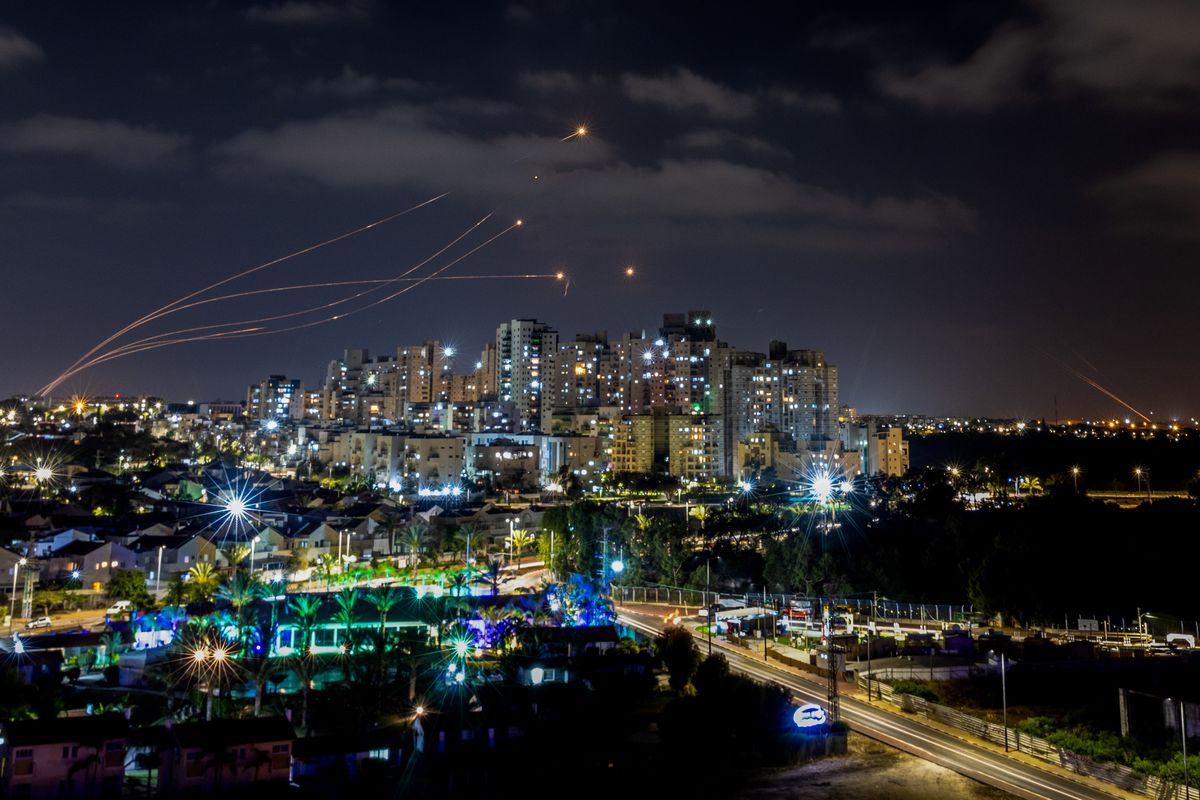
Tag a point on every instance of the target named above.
point(869, 770)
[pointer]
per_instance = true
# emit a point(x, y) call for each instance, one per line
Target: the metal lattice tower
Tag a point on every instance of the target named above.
point(834, 702)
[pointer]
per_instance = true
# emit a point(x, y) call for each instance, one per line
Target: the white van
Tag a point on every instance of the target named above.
point(117, 608)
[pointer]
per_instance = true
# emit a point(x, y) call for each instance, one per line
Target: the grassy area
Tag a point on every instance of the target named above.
point(1107, 747)
point(1068, 728)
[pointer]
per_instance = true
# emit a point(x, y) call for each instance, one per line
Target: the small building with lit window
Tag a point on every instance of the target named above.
point(225, 755)
point(63, 757)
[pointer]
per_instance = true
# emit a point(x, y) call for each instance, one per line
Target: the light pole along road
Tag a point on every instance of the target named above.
point(923, 741)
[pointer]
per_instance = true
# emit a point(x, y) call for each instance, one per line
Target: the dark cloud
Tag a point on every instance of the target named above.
point(815, 103)
point(1160, 198)
point(993, 76)
point(405, 145)
point(716, 139)
point(16, 49)
point(309, 12)
point(552, 82)
point(350, 83)
point(684, 90)
point(106, 141)
point(1136, 54)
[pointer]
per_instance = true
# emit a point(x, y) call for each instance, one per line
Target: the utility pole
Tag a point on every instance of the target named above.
point(1004, 698)
point(158, 572)
point(711, 605)
point(1183, 736)
point(870, 630)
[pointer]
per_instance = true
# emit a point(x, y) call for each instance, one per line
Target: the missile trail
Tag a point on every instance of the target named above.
point(1095, 385)
point(259, 331)
point(326, 284)
point(311, 309)
point(309, 249)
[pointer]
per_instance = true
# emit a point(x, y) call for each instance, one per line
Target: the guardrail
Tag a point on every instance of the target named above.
point(1115, 774)
point(883, 610)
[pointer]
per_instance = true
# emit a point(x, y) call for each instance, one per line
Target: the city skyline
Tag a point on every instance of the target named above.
point(806, 183)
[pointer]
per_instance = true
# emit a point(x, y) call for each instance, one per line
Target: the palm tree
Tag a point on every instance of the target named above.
point(470, 538)
point(204, 581)
point(390, 525)
point(642, 523)
point(114, 645)
point(1029, 483)
point(305, 607)
point(494, 572)
point(325, 565)
point(346, 599)
point(177, 590)
point(459, 582)
point(520, 540)
point(235, 554)
point(384, 602)
point(415, 537)
point(243, 590)
point(456, 542)
point(306, 668)
point(261, 669)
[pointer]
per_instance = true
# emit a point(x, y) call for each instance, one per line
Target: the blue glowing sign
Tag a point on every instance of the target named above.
point(809, 715)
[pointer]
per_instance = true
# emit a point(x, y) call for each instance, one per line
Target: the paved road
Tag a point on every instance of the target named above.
point(925, 742)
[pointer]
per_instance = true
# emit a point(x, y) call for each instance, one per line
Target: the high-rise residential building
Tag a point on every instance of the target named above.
point(883, 450)
point(418, 374)
point(638, 443)
point(487, 371)
point(579, 368)
point(527, 381)
point(277, 397)
point(525, 354)
point(343, 382)
point(363, 390)
point(794, 392)
point(695, 447)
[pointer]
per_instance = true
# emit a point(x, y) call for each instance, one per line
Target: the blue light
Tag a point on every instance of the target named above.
point(809, 715)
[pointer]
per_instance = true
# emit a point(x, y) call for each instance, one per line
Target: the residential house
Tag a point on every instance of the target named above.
point(226, 754)
point(90, 563)
point(64, 757)
point(180, 553)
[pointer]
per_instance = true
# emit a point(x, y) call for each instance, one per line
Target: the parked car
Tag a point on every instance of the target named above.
point(40, 622)
point(118, 608)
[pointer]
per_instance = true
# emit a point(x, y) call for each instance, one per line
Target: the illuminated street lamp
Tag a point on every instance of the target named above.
point(209, 663)
point(822, 488)
point(12, 597)
point(253, 541)
point(1075, 478)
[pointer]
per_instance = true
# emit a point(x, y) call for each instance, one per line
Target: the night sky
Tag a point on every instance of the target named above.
point(963, 206)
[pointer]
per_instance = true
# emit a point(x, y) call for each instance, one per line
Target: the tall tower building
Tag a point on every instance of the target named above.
point(277, 397)
point(525, 354)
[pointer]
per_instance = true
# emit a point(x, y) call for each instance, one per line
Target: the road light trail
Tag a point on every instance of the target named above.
point(922, 741)
point(309, 249)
